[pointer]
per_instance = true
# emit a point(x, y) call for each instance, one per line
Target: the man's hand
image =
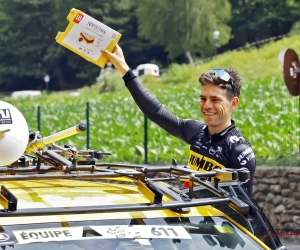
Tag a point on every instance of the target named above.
point(117, 59)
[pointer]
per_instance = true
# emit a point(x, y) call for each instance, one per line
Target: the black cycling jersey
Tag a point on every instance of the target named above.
point(227, 149)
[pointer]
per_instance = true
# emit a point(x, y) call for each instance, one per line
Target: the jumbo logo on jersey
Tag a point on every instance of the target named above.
point(202, 163)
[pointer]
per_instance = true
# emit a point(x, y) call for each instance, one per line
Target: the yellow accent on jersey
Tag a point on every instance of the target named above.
point(202, 163)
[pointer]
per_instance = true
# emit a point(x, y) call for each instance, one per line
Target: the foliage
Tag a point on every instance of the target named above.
point(179, 74)
point(29, 51)
point(267, 115)
point(260, 19)
point(187, 27)
point(296, 27)
point(181, 29)
point(22, 44)
point(108, 81)
point(255, 62)
point(270, 123)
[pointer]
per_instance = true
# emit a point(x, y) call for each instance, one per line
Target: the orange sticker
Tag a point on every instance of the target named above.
point(78, 18)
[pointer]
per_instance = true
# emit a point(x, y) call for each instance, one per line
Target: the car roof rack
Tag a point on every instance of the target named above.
point(40, 162)
point(150, 187)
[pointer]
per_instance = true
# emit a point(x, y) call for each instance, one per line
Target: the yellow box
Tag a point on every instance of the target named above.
point(86, 37)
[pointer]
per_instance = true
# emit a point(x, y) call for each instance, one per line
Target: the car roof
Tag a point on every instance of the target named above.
point(41, 194)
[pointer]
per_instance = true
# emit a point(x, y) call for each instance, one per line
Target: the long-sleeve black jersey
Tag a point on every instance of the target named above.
point(227, 149)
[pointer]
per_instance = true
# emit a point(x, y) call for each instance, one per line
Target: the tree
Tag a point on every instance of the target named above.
point(24, 37)
point(260, 19)
point(28, 48)
point(122, 17)
point(185, 26)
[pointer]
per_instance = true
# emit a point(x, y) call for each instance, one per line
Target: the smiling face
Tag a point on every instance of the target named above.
point(216, 108)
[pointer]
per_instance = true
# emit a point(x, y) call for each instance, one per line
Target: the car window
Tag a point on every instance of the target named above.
point(256, 223)
point(186, 233)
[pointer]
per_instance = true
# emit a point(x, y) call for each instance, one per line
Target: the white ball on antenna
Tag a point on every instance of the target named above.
point(14, 134)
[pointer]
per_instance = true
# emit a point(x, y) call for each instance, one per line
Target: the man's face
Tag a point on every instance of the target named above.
point(216, 108)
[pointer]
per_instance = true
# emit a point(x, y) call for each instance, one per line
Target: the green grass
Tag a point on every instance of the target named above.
point(268, 116)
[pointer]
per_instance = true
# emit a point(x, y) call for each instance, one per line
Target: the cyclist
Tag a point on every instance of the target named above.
point(216, 143)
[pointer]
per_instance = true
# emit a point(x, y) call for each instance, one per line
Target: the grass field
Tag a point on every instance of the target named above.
point(268, 115)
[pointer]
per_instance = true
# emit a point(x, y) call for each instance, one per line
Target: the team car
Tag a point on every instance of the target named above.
point(57, 197)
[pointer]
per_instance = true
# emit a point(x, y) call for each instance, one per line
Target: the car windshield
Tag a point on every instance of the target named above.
point(186, 233)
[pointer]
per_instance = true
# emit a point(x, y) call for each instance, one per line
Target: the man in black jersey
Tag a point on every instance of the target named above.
point(214, 144)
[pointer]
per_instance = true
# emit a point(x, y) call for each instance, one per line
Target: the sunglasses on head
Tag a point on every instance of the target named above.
point(224, 76)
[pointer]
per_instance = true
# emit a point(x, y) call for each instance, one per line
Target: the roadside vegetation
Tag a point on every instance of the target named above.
point(268, 115)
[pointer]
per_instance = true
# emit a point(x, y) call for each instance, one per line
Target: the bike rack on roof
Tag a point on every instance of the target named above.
point(56, 162)
point(151, 188)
